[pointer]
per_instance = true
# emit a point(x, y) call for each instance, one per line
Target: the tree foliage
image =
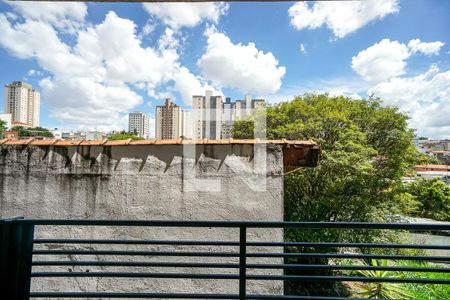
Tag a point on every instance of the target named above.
point(32, 132)
point(124, 136)
point(366, 149)
point(2, 128)
point(428, 198)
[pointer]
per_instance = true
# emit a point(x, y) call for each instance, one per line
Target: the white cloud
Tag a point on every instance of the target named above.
point(179, 15)
point(302, 48)
point(381, 61)
point(187, 84)
point(33, 72)
point(114, 47)
point(341, 86)
point(425, 97)
point(38, 40)
point(239, 66)
point(90, 81)
point(82, 100)
point(387, 59)
point(342, 17)
point(148, 28)
point(429, 49)
point(67, 16)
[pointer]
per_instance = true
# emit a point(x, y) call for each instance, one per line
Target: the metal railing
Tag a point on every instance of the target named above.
point(21, 253)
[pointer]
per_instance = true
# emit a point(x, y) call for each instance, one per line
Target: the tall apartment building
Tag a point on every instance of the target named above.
point(232, 111)
point(22, 102)
point(207, 116)
point(139, 124)
point(228, 117)
point(168, 121)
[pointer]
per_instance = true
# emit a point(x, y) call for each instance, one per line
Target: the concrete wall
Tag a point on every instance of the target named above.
point(141, 182)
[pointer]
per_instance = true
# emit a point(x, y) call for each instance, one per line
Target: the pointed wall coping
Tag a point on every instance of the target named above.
point(69, 143)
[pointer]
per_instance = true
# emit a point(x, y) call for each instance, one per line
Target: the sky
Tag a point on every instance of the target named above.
point(93, 63)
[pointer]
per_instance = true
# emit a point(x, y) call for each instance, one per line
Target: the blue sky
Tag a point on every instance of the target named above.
point(93, 63)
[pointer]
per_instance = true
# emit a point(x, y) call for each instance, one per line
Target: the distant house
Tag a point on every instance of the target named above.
point(442, 155)
point(426, 168)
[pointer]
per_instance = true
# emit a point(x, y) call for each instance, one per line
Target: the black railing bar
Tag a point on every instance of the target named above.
point(236, 265)
point(135, 253)
point(347, 278)
point(136, 264)
point(299, 297)
point(136, 275)
point(339, 255)
point(242, 263)
point(250, 224)
point(136, 242)
point(348, 245)
point(347, 267)
point(233, 243)
point(130, 295)
point(234, 254)
point(171, 295)
point(236, 276)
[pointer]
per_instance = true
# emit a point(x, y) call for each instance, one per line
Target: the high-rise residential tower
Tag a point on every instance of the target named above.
point(139, 124)
point(206, 116)
point(23, 103)
point(232, 111)
point(168, 121)
point(228, 117)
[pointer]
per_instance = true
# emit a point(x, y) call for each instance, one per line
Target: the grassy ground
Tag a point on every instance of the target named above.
point(426, 291)
point(414, 291)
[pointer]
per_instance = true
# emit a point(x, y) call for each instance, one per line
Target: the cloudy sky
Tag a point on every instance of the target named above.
point(93, 63)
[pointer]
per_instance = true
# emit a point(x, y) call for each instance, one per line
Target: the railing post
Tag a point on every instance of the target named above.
point(242, 262)
point(16, 252)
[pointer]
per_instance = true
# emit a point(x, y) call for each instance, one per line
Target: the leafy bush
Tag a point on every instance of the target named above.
point(428, 198)
point(32, 132)
point(429, 291)
point(124, 136)
point(411, 291)
point(2, 128)
point(380, 290)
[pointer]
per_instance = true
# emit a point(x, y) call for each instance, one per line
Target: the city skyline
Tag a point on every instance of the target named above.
point(287, 50)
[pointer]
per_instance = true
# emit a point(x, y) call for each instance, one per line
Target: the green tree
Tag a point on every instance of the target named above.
point(32, 132)
point(243, 129)
point(366, 149)
point(124, 136)
point(2, 128)
point(432, 198)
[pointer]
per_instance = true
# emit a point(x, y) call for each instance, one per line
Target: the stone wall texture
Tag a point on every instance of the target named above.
point(143, 182)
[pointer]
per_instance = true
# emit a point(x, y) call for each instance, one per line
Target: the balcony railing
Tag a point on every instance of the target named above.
point(25, 258)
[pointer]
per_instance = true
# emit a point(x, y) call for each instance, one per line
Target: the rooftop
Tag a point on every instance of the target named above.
point(433, 167)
